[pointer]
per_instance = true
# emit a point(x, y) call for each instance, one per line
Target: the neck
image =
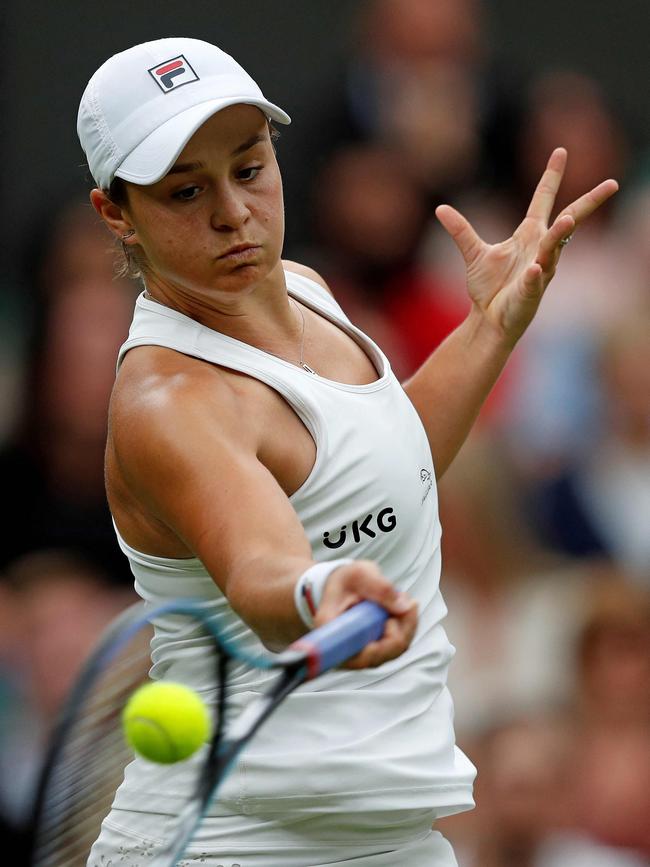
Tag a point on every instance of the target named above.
point(260, 314)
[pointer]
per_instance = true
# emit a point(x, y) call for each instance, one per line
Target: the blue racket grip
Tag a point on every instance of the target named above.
point(341, 638)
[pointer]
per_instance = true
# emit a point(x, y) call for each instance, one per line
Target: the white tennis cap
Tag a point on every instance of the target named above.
point(142, 106)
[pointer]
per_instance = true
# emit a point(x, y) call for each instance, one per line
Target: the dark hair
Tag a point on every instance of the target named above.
point(117, 192)
point(134, 264)
point(274, 132)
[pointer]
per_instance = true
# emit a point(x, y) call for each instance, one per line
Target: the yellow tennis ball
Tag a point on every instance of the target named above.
point(165, 722)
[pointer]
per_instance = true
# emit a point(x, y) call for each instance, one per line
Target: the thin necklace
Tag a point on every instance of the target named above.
point(302, 361)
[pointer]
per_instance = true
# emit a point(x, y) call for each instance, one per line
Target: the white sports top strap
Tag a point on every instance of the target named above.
point(170, 328)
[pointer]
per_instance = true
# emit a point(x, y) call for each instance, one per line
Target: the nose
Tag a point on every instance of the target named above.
point(230, 210)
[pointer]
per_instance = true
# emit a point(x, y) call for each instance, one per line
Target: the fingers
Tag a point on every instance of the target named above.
point(348, 585)
point(533, 282)
point(565, 224)
point(550, 245)
point(463, 235)
point(541, 205)
point(398, 634)
point(587, 204)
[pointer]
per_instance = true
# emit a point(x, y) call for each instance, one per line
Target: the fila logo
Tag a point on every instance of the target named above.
point(172, 74)
point(384, 522)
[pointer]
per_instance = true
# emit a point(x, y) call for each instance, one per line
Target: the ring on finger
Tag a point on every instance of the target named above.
point(566, 240)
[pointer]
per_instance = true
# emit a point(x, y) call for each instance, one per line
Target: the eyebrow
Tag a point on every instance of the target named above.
point(253, 140)
point(179, 168)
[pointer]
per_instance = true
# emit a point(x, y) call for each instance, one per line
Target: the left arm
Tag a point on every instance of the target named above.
point(506, 283)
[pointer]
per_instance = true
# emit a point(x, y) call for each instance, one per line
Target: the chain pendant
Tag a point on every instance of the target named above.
point(306, 367)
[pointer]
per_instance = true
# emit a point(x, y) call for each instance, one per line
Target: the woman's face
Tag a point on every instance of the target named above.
point(223, 191)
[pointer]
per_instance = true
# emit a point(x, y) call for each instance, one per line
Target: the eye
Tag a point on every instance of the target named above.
point(187, 193)
point(250, 173)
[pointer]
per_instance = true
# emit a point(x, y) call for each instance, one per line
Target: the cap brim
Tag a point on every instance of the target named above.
point(152, 158)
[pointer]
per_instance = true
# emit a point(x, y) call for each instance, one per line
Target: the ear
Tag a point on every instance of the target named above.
point(115, 216)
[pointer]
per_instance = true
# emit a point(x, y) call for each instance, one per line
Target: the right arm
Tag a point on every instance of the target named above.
point(189, 458)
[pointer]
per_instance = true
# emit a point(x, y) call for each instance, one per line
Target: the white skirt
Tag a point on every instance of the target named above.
point(130, 839)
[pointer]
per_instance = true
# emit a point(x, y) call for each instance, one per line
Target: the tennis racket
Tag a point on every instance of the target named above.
point(88, 753)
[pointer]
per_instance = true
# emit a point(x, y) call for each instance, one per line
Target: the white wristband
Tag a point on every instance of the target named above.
point(309, 589)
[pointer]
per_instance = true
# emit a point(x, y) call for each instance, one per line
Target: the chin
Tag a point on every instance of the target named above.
point(240, 277)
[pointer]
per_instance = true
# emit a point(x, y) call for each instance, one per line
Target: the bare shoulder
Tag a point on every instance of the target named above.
point(153, 377)
point(166, 401)
point(305, 271)
point(183, 471)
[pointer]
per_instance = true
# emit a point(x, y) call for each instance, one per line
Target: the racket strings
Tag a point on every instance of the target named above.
point(88, 755)
point(92, 754)
point(90, 761)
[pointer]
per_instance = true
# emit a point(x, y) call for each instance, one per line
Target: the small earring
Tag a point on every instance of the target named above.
point(127, 235)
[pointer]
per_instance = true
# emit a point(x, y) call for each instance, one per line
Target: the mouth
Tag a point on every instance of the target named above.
point(240, 251)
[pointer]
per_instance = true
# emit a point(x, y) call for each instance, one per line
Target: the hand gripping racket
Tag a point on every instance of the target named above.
point(87, 753)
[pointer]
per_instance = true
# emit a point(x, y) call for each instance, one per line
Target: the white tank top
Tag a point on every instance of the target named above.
point(377, 739)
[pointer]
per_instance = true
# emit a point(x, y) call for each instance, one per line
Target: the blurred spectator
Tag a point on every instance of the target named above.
point(421, 80)
point(633, 229)
point(53, 464)
point(370, 214)
point(570, 789)
point(520, 796)
point(513, 610)
point(430, 115)
point(57, 604)
point(599, 503)
point(594, 286)
point(569, 108)
point(370, 217)
point(611, 728)
point(524, 815)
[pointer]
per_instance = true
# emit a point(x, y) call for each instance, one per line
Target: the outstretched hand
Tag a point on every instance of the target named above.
point(506, 281)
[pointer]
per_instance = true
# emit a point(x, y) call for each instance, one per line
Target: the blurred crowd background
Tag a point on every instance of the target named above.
point(546, 512)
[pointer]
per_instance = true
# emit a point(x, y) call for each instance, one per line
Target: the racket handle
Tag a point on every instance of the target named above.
point(341, 638)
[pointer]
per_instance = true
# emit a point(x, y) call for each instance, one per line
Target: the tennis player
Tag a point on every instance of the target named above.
point(262, 456)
